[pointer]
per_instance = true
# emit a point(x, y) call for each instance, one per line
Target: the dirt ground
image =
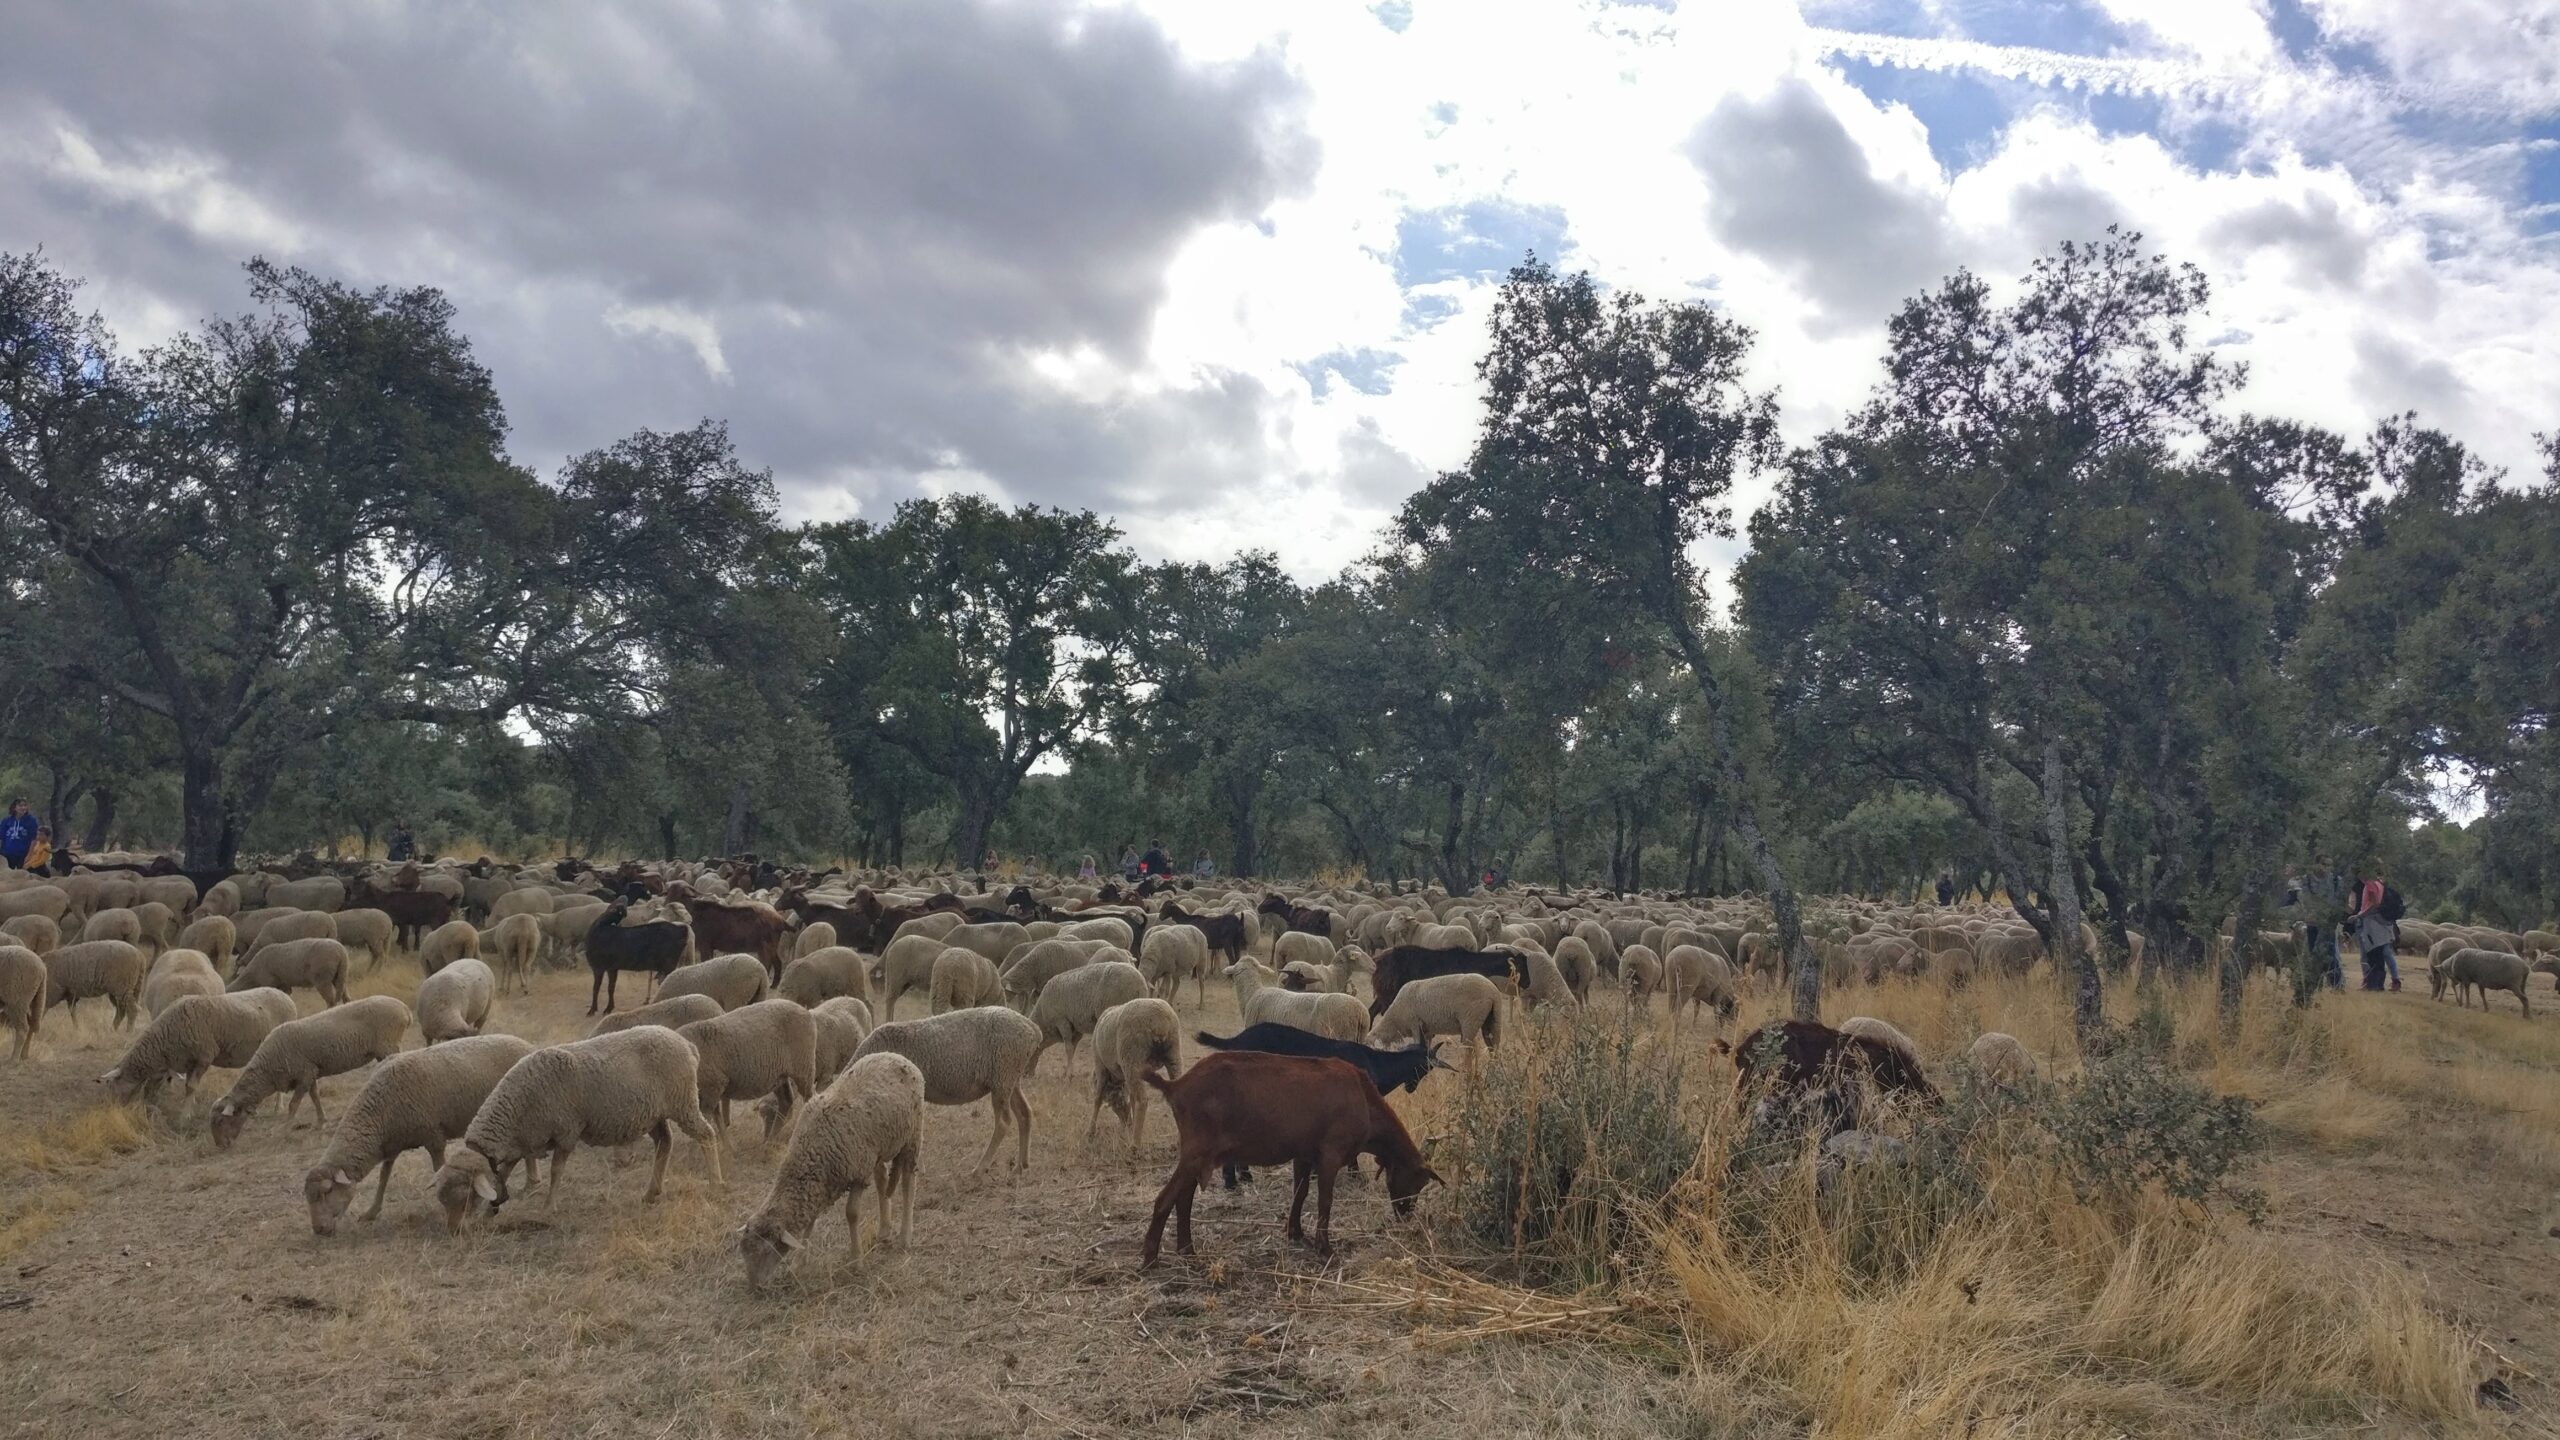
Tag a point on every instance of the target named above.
point(177, 1288)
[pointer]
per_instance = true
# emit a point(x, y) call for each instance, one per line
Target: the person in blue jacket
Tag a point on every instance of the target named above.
point(18, 833)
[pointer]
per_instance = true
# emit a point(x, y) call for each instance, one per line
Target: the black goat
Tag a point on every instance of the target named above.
point(613, 947)
point(1389, 1070)
point(1227, 933)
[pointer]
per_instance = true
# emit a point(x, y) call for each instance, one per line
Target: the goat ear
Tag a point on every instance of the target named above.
point(1431, 1176)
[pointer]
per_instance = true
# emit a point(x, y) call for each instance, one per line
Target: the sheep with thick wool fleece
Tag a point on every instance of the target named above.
point(2000, 1058)
point(35, 932)
point(1883, 1032)
point(604, 1090)
point(1697, 978)
point(1131, 1039)
point(298, 1054)
point(736, 980)
point(176, 973)
point(159, 925)
point(968, 1056)
point(415, 1100)
point(1172, 953)
point(1071, 1006)
point(674, 1013)
point(1030, 967)
point(1466, 1006)
point(815, 936)
point(862, 1132)
point(109, 968)
point(963, 980)
point(367, 929)
point(906, 965)
point(1576, 965)
point(825, 973)
point(1259, 998)
point(840, 1023)
point(2482, 970)
point(451, 941)
point(454, 1002)
point(195, 1034)
point(213, 937)
point(514, 941)
point(118, 924)
point(769, 1048)
point(22, 987)
point(291, 925)
point(318, 963)
point(1641, 971)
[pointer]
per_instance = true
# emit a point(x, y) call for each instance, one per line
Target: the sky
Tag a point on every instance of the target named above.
point(1221, 270)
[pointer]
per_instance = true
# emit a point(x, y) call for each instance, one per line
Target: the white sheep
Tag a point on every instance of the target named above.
point(277, 927)
point(964, 980)
point(1259, 998)
point(815, 936)
point(1697, 978)
point(862, 1133)
point(118, 924)
point(318, 963)
point(2000, 1059)
point(968, 1056)
point(841, 1023)
point(767, 1048)
point(735, 980)
point(1300, 947)
point(1466, 1005)
point(454, 1002)
point(906, 965)
point(39, 933)
point(1030, 968)
point(2483, 970)
point(176, 973)
point(297, 1055)
point(1576, 964)
point(195, 1034)
point(1641, 971)
point(1071, 1006)
point(674, 1014)
point(1171, 954)
point(451, 941)
point(415, 1100)
point(515, 942)
point(109, 968)
point(159, 924)
point(1132, 1038)
point(213, 937)
point(22, 987)
point(604, 1090)
point(368, 930)
point(1883, 1032)
point(826, 972)
point(1547, 983)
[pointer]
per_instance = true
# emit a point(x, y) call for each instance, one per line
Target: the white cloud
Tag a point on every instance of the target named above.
point(689, 327)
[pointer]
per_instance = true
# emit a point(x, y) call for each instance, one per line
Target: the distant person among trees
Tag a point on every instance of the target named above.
point(18, 833)
point(2320, 899)
point(2376, 926)
point(1130, 867)
point(40, 854)
point(1157, 862)
point(403, 846)
point(1204, 867)
point(1086, 870)
point(1946, 888)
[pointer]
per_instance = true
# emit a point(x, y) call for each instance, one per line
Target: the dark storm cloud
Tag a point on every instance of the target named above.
point(880, 207)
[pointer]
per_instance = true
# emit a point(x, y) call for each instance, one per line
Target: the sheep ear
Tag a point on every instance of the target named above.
point(343, 1178)
point(485, 1188)
point(789, 1240)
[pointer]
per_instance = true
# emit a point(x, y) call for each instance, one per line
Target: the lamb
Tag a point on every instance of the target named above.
point(451, 941)
point(824, 973)
point(1641, 969)
point(658, 947)
point(1464, 1005)
point(1071, 1006)
point(1130, 1039)
point(815, 936)
point(1243, 1108)
point(195, 1034)
point(297, 1055)
point(415, 1100)
point(604, 1090)
point(674, 1013)
point(515, 942)
point(1699, 979)
point(368, 930)
point(863, 1132)
point(735, 980)
point(454, 1002)
point(176, 973)
point(36, 932)
point(2482, 970)
point(1258, 998)
point(313, 964)
point(1173, 952)
point(767, 1048)
point(1999, 1058)
point(964, 980)
point(213, 937)
point(906, 965)
point(967, 1056)
point(22, 987)
point(111, 968)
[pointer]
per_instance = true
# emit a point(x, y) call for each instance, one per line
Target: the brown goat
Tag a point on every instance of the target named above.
point(748, 927)
point(1793, 1055)
point(1245, 1108)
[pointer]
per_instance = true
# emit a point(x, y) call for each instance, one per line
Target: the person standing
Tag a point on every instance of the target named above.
point(1129, 867)
point(2374, 933)
point(1086, 870)
point(1946, 888)
point(18, 833)
point(40, 854)
point(2320, 897)
point(403, 846)
point(1157, 863)
point(1204, 867)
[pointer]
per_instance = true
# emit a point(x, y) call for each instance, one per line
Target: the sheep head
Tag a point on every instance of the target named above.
point(328, 1191)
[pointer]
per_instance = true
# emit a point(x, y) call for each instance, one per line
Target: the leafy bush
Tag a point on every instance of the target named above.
point(2130, 1121)
point(1566, 1139)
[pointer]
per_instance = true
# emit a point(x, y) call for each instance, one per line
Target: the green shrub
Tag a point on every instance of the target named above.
point(2129, 1121)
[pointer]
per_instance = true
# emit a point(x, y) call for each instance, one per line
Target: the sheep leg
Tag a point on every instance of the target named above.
point(1094, 1122)
point(884, 1175)
point(995, 1111)
point(906, 1172)
point(1137, 1119)
point(383, 1186)
point(313, 1090)
point(1300, 1172)
point(560, 1157)
point(853, 1221)
point(1022, 1131)
point(1071, 1057)
point(663, 1142)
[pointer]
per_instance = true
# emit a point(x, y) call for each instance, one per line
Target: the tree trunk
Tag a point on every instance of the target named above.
point(1453, 867)
point(1802, 963)
point(102, 817)
point(2235, 960)
point(1692, 879)
point(57, 810)
point(667, 835)
point(733, 825)
point(2088, 1008)
point(1244, 855)
point(970, 828)
point(206, 834)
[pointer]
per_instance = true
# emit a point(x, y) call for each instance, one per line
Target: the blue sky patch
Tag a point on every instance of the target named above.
point(1394, 14)
point(1371, 372)
point(1475, 241)
point(1963, 111)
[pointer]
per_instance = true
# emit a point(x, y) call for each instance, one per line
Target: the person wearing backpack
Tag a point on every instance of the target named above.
point(2374, 932)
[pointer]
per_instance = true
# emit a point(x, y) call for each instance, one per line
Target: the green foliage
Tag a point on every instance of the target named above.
point(2130, 1120)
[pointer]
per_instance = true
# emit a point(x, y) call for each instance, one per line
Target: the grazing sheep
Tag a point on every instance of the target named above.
point(368, 930)
point(964, 980)
point(1172, 953)
point(1300, 976)
point(994, 939)
point(968, 1056)
point(767, 1048)
point(213, 937)
point(515, 942)
point(314, 964)
point(1576, 965)
point(1467, 1006)
point(1596, 938)
point(35, 932)
point(2484, 971)
point(22, 987)
point(1883, 1032)
point(824, 973)
point(564, 930)
point(49, 901)
point(841, 1023)
point(524, 900)
point(674, 1013)
point(195, 1034)
point(454, 1002)
point(451, 941)
point(297, 1055)
point(735, 980)
point(325, 893)
point(415, 1100)
point(1698, 979)
point(863, 1132)
point(1130, 1039)
point(815, 936)
point(176, 973)
point(1641, 970)
point(1071, 1006)
point(1396, 966)
point(906, 965)
point(1029, 969)
point(111, 968)
point(117, 924)
point(290, 925)
point(1547, 984)
point(1999, 1058)
point(1259, 998)
point(1243, 1108)
point(159, 925)
point(604, 1090)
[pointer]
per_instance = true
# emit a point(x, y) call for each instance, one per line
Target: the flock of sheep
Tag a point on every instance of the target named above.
point(802, 1019)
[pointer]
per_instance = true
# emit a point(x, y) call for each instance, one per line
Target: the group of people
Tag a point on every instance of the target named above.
point(26, 842)
point(2335, 910)
point(1135, 867)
